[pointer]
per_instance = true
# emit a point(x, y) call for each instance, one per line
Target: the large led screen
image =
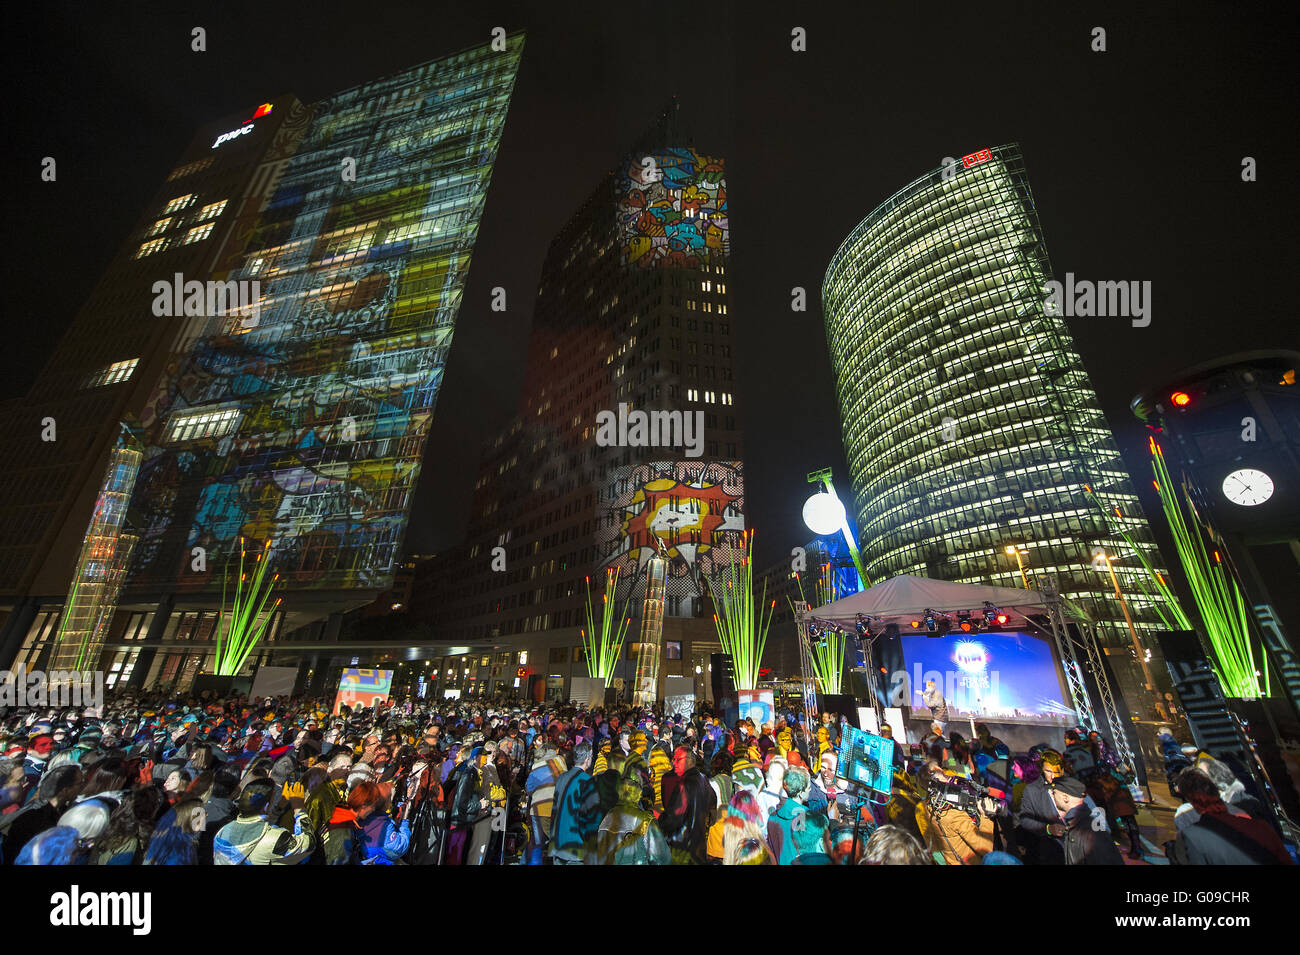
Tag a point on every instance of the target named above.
point(1009, 677)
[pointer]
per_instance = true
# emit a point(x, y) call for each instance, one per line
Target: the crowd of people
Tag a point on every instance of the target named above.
point(175, 781)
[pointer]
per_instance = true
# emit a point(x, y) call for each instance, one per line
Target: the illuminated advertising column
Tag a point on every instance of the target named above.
point(92, 596)
point(652, 632)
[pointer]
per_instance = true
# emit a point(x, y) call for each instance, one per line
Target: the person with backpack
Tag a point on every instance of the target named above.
point(252, 840)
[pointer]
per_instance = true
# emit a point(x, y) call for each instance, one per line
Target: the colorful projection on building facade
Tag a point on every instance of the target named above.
point(696, 509)
point(306, 426)
point(672, 210)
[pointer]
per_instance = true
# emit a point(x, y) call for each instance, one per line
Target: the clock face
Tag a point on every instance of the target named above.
point(1248, 487)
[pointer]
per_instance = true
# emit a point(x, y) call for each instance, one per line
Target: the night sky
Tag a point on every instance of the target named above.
point(1134, 156)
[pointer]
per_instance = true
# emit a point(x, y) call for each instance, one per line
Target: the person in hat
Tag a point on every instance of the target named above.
point(1087, 839)
point(40, 747)
point(252, 840)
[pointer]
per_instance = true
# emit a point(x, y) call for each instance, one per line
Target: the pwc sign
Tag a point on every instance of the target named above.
point(245, 127)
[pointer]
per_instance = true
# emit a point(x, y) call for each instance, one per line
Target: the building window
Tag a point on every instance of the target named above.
point(212, 210)
point(673, 650)
point(203, 424)
point(117, 372)
point(160, 226)
point(189, 169)
point(179, 203)
point(198, 233)
point(150, 247)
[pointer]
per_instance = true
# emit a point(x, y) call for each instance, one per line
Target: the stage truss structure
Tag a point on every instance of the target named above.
point(1065, 646)
point(803, 619)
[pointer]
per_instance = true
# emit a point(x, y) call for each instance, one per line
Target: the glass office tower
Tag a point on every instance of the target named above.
point(301, 430)
point(969, 423)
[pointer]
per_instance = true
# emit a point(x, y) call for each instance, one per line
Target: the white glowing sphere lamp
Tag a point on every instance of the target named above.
point(824, 514)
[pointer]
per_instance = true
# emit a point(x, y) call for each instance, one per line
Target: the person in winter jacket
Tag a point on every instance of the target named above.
point(628, 835)
point(577, 809)
point(251, 840)
point(463, 784)
point(1041, 829)
point(548, 766)
point(1087, 840)
point(792, 830)
point(689, 801)
point(333, 822)
point(383, 840)
point(959, 838)
point(1220, 835)
point(56, 791)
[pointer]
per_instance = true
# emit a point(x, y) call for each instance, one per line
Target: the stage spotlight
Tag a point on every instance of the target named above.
point(916, 625)
point(1181, 398)
point(993, 617)
point(936, 623)
point(964, 621)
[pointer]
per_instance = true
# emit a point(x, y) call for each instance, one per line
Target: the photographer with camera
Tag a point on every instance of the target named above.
point(954, 820)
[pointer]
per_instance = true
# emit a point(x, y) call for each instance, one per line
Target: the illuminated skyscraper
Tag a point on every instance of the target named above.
point(969, 423)
point(631, 318)
point(65, 443)
point(296, 427)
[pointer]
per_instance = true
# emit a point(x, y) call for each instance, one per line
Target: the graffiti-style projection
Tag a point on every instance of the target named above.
point(672, 210)
point(694, 509)
point(305, 426)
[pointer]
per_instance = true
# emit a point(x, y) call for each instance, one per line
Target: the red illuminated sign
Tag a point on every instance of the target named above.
point(261, 111)
point(984, 155)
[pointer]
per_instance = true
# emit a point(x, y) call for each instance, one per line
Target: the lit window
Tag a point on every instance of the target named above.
point(726, 398)
point(179, 203)
point(692, 394)
point(708, 396)
point(203, 424)
point(212, 210)
point(117, 372)
point(198, 233)
point(160, 225)
point(150, 247)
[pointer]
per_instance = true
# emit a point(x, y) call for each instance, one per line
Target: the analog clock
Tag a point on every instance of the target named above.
point(1248, 487)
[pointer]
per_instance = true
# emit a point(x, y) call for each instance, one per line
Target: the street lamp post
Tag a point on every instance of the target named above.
point(1137, 645)
point(825, 514)
point(1020, 550)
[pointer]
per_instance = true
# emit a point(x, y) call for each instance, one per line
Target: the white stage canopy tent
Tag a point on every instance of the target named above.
point(903, 599)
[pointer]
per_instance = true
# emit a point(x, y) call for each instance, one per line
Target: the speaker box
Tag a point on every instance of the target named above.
point(221, 686)
point(722, 676)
